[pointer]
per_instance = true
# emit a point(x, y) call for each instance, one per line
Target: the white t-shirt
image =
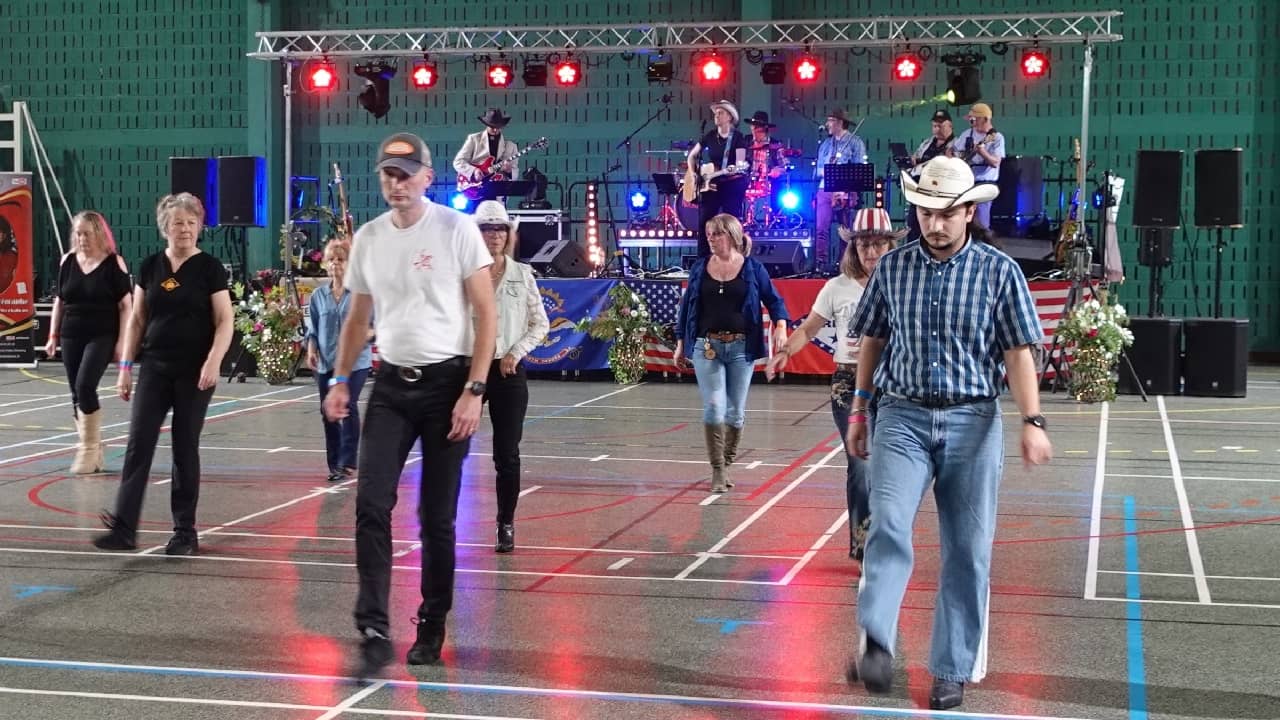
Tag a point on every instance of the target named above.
point(417, 277)
point(837, 301)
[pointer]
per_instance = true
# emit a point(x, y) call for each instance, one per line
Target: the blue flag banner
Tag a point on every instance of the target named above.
point(566, 348)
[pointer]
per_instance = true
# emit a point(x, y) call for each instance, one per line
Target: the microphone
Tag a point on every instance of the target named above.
point(667, 98)
point(615, 167)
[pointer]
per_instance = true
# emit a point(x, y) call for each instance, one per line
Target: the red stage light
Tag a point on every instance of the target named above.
point(321, 76)
point(568, 72)
point(907, 66)
point(807, 70)
point(1035, 64)
point(423, 75)
point(499, 75)
point(711, 70)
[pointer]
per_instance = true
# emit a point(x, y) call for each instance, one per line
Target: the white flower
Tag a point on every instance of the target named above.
point(266, 333)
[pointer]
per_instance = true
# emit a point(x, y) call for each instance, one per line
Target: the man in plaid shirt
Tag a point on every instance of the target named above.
point(954, 316)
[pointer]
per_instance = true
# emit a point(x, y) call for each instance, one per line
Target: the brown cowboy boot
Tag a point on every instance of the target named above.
point(715, 453)
point(731, 437)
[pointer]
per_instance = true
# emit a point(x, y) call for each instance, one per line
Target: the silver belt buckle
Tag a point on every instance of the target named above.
point(408, 373)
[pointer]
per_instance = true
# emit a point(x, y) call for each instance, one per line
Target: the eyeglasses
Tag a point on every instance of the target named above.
point(868, 244)
point(493, 228)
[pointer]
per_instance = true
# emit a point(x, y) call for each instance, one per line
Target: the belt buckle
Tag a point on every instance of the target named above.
point(408, 373)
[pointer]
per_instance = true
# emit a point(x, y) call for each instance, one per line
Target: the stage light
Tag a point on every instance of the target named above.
point(879, 192)
point(595, 253)
point(1035, 63)
point(568, 73)
point(773, 72)
point(789, 199)
point(423, 75)
point(376, 96)
point(639, 200)
point(499, 74)
point(458, 201)
point(319, 76)
point(963, 87)
point(907, 66)
point(807, 70)
point(535, 74)
point(660, 70)
point(711, 70)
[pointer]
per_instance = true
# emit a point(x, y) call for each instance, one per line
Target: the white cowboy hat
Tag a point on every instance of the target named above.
point(728, 107)
point(945, 182)
point(492, 212)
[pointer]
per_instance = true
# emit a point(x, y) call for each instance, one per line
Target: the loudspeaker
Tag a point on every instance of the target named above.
point(1155, 247)
point(242, 190)
point(780, 257)
point(561, 258)
point(1217, 362)
point(1219, 181)
point(536, 229)
point(1021, 186)
point(1156, 355)
point(198, 176)
point(1157, 199)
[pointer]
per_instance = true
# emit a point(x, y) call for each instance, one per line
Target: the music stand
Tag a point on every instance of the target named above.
point(901, 156)
point(505, 188)
point(849, 177)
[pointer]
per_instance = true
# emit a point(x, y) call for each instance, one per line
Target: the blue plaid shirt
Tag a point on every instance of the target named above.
point(846, 150)
point(948, 323)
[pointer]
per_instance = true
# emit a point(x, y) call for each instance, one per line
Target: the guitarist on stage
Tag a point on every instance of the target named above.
point(487, 152)
point(722, 147)
point(983, 148)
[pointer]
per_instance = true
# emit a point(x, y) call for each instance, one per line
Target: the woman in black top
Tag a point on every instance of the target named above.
point(182, 320)
point(90, 306)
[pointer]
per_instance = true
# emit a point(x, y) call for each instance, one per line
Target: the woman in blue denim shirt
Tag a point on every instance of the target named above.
point(327, 309)
point(720, 327)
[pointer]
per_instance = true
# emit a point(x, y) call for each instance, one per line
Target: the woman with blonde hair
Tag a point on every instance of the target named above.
point(872, 235)
point(90, 309)
point(179, 330)
point(720, 327)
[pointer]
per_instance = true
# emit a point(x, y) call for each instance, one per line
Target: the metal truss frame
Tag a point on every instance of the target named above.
point(1012, 29)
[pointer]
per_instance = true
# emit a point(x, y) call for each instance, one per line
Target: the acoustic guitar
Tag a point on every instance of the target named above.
point(697, 183)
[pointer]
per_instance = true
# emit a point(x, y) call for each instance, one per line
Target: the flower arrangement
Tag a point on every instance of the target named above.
point(1100, 334)
point(293, 241)
point(270, 325)
point(627, 322)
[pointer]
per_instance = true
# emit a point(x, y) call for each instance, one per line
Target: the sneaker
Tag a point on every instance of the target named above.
point(375, 652)
point(335, 476)
point(426, 650)
point(875, 668)
point(117, 538)
point(182, 543)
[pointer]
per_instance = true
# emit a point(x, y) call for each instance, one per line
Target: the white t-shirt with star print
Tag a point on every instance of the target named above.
point(417, 277)
point(837, 301)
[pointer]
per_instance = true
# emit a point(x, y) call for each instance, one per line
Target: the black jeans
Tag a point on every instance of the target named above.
point(161, 388)
point(85, 360)
point(508, 399)
point(727, 198)
point(342, 438)
point(400, 413)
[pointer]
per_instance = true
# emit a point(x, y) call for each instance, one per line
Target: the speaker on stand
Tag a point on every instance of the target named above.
point(1219, 181)
point(198, 176)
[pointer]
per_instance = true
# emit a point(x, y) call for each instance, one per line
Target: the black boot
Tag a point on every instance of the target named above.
point(375, 653)
point(875, 668)
point(506, 538)
point(945, 694)
point(118, 536)
point(426, 650)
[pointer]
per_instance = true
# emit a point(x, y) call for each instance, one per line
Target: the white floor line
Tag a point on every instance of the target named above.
point(621, 563)
point(1095, 514)
point(1195, 477)
point(1187, 575)
point(36, 398)
point(351, 701)
point(1193, 603)
point(704, 557)
point(406, 551)
point(1184, 508)
point(608, 394)
point(710, 499)
point(753, 464)
point(531, 488)
point(817, 546)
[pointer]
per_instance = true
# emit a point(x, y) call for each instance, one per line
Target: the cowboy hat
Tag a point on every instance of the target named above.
point(842, 115)
point(871, 222)
point(494, 118)
point(945, 182)
point(492, 212)
point(728, 107)
point(760, 118)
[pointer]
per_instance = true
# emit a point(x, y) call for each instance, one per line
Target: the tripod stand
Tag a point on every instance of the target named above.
point(1080, 256)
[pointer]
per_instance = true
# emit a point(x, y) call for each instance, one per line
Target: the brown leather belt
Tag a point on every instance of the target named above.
point(726, 336)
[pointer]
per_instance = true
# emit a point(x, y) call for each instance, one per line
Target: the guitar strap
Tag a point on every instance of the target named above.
point(728, 145)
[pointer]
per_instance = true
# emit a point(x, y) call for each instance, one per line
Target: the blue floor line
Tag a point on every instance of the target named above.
point(1133, 613)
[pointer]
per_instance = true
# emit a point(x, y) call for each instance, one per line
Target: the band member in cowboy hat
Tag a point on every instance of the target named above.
point(766, 155)
point(953, 320)
point(723, 147)
point(841, 148)
point(488, 143)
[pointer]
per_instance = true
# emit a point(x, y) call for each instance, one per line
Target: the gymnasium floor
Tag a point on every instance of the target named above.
point(1137, 575)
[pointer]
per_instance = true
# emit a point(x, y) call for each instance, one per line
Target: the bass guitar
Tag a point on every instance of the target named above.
point(491, 171)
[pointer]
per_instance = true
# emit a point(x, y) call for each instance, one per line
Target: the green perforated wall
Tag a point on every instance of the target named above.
point(117, 87)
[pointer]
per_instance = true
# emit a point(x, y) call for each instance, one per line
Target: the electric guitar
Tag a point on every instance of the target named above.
point(986, 140)
point(345, 225)
point(491, 173)
point(1071, 226)
point(696, 183)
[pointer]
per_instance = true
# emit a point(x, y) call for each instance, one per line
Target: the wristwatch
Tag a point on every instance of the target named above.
point(476, 388)
point(1037, 420)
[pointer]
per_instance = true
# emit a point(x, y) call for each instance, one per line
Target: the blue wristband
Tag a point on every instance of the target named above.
point(337, 380)
point(862, 394)
point(126, 364)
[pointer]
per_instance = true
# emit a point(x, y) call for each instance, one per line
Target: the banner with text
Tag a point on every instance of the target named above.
point(17, 271)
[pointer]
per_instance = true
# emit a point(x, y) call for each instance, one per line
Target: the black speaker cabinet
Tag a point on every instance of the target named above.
point(1157, 200)
point(198, 176)
point(536, 229)
point(561, 258)
point(242, 191)
point(1021, 187)
point(1219, 177)
point(779, 257)
point(1156, 355)
point(1155, 247)
point(1217, 362)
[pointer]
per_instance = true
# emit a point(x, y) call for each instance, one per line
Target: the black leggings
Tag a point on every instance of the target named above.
point(85, 360)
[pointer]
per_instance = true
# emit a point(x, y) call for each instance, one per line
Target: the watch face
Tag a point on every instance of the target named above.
point(476, 388)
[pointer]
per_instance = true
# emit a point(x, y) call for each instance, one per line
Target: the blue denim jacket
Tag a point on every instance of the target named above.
point(325, 316)
point(759, 290)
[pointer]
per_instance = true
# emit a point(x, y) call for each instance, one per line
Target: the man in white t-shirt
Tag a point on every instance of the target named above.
point(422, 270)
point(828, 320)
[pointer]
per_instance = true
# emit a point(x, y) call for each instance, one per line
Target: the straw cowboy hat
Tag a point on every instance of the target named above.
point(728, 107)
point(945, 182)
point(871, 222)
point(492, 212)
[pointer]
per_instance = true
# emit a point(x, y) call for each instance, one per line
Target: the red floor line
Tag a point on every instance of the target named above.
point(778, 476)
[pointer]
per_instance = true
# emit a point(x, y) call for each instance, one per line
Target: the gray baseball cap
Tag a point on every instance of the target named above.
point(404, 151)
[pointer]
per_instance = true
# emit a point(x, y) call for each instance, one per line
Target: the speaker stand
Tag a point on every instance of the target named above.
point(1155, 292)
point(1219, 246)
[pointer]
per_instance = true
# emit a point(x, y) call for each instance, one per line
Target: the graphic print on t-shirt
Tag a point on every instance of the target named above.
point(170, 284)
point(424, 261)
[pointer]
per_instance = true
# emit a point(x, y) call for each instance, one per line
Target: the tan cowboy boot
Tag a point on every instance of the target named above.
point(715, 453)
point(731, 437)
point(91, 439)
point(82, 464)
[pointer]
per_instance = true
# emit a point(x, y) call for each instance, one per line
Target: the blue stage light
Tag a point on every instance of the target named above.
point(639, 200)
point(459, 201)
point(790, 200)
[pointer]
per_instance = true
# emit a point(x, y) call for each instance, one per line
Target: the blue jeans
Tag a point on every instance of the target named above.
point(856, 484)
point(961, 450)
point(723, 381)
point(342, 438)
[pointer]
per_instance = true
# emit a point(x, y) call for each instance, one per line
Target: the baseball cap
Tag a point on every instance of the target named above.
point(982, 110)
point(941, 116)
point(405, 152)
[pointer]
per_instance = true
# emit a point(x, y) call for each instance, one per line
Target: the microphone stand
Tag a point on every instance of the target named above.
point(626, 143)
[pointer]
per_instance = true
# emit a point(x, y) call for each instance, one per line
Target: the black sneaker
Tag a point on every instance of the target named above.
point(118, 538)
point(875, 668)
point(506, 538)
point(426, 650)
point(375, 653)
point(182, 543)
point(335, 476)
